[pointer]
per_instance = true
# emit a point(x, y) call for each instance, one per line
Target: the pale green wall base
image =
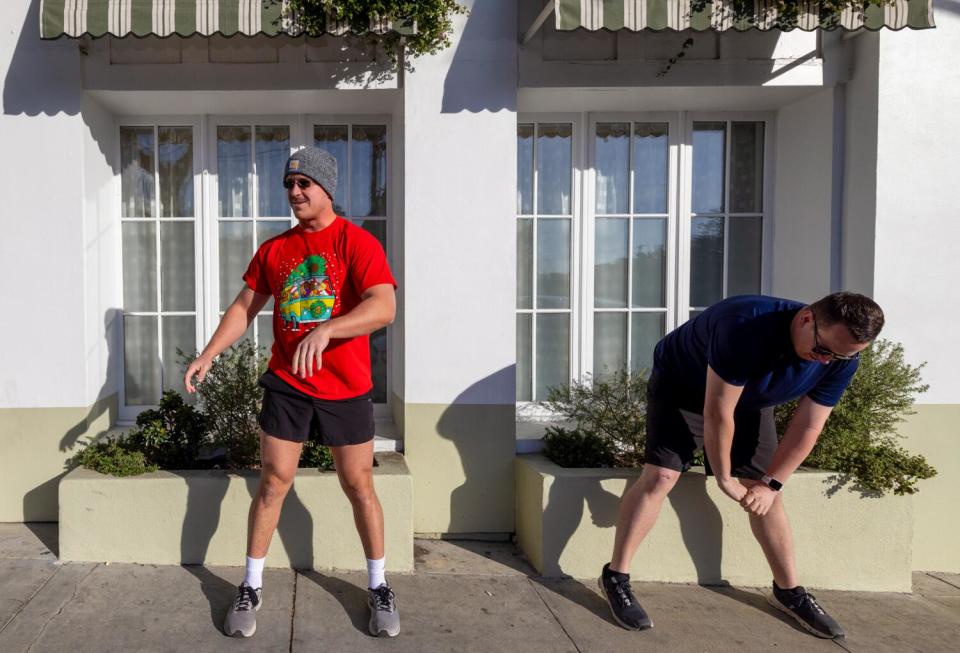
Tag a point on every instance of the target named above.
point(933, 432)
point(461, 457)
point(200, 517)
point(566, 522)
point(34, 445)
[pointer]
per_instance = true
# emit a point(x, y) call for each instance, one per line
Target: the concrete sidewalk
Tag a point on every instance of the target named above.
point(464, 596)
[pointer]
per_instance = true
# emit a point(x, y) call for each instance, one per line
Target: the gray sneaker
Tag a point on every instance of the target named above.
point(241, 620)
point(384, 617)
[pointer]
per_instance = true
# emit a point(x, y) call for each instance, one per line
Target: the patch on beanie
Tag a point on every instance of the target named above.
point(293, 166)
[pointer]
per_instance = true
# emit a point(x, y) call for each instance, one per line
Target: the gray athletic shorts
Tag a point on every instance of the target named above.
point(675, 435)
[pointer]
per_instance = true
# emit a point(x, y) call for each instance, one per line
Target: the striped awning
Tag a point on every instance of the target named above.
point(183, 17)
point(638, 15)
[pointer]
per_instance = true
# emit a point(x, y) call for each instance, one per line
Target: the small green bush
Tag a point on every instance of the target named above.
point(610, 408)
point(316, 455)
point(111, 457)
point(230, 398)
point(169, 436)
point(577, 448)
point(860, 439)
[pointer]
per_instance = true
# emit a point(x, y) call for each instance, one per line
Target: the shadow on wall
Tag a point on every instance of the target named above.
point(37, 502)
point(701, 525)
point(483, 73)
point(44, 76)
point(485, 438)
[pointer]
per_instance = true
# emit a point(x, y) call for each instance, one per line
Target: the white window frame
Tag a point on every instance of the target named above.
point(127, 414)
point(531, 409)
point(679, 214)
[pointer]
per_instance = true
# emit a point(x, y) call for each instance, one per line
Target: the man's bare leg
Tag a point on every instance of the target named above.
point(639, 509)
point(355, 470)
point(776, 539)
point(279, 459)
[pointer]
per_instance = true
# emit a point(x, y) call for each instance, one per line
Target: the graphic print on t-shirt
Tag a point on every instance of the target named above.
point(308, 293)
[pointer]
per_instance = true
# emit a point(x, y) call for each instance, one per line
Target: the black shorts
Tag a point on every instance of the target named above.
point(292, 415)
point(675, 435)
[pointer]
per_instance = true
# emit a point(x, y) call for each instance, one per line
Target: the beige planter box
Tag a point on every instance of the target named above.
point(566, 520)
point(200, 517)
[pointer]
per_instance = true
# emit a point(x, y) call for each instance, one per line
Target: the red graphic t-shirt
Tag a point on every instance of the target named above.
point(313, 277)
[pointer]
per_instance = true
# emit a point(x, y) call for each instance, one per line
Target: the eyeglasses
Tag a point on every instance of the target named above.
point(820, 350)
point(302, 183)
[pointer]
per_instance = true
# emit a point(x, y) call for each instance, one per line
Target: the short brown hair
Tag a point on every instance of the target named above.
point(860, 314)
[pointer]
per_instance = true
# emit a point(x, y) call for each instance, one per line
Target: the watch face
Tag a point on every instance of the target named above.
point(775, 484)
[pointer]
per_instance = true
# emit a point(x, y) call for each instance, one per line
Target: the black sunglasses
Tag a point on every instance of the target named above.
point(302, 183)
point(820, 350)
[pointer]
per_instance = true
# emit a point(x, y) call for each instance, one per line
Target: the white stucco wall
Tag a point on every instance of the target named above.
point(460, 203)
point(803, 198)
point(41, 252)
point(917, 230)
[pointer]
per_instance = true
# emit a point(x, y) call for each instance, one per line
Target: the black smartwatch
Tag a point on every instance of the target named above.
point(772, 483)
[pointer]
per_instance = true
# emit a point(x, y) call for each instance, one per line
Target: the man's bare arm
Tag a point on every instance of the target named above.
point(235, 321)
point(718, 426)
point(377, 309)
point(799, 438)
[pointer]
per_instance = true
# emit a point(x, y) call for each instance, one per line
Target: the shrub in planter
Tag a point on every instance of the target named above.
point(860, 439)
point(111, 457)
point(578, 448)
point(610, 408)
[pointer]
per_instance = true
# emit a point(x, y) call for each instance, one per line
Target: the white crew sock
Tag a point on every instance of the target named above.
point(254, 577)
point(375, 571)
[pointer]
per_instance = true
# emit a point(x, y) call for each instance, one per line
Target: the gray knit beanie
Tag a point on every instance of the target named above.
point(315, 163)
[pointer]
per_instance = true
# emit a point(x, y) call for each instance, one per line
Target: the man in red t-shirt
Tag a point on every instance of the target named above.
point(331, 287)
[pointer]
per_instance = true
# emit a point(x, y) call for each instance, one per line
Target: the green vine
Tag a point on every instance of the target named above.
point(433, 20)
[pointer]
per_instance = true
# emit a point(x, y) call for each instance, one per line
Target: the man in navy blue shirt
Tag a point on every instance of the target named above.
point(714, 384)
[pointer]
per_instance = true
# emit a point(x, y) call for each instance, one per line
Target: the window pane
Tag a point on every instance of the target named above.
point(554, 172)
point(265, 330)
point(179, 332)
point(136, 172)
point(649, 262)
point(553, 352)
point(706, 266)
point(177, 271)
point(273, 150)
point(378, 365)
point(368, 182)
point(609, 343)
point(553, 263)
point(525, 263)
point(139, 266)
point(746, 167)
point(333, 139)
point(651, 160)
point(613, 168)
point(141, 362)
point(233, 171)
point(610, 267)
point(743, 266)
point(524, 356)
point(175, 169)
point(267, 229)
point(525, 169)
point(378, 228)
point(235, 254)
point(647, 329)
point(708, 166)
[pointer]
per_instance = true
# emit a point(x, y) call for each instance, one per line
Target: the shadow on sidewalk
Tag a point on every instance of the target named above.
point(218, 592)
point(352, 598)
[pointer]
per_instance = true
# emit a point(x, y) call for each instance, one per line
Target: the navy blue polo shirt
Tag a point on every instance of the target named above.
point(746, 340)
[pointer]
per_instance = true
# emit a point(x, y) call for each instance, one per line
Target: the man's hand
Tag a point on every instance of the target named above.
point(733, 488)
point(758, 500)
point(199, 367)
point(307, 358)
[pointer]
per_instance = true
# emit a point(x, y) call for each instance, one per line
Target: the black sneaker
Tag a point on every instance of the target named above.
point(802, 606)
point(623, 604)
